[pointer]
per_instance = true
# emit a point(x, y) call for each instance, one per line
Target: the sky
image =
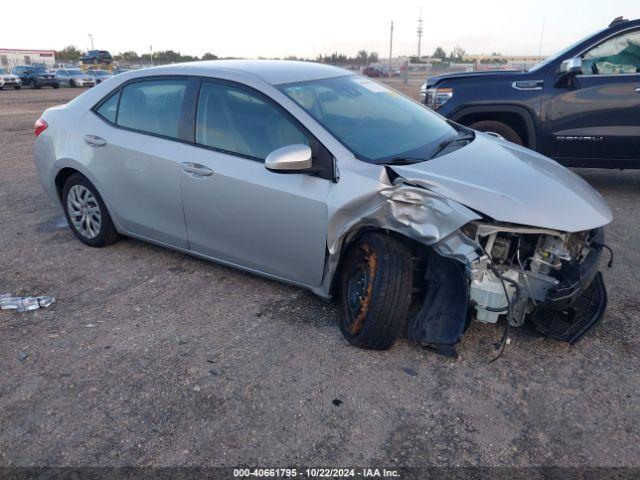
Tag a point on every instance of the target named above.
point(253, 28)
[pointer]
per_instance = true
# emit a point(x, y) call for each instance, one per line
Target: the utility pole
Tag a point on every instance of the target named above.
point(390, 48)
point(151, 55)
point(419, 33)
point(91, 38)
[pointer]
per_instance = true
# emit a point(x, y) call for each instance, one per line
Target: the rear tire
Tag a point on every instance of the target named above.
point(86, 213)
point(499, 128)
point(18, 87)
point(375, 291)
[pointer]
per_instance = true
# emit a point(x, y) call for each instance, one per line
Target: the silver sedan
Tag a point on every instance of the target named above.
point(74, 78)
point(315, 176)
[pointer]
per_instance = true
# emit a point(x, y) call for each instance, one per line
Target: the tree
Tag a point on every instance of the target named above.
point(128, 56)
point(69, 54)
point(373, 57)
point(458, 53)
point(209, 56)
point(439, 53)
point(362, 58)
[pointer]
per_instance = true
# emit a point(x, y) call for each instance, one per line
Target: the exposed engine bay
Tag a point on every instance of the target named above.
point(541, 278)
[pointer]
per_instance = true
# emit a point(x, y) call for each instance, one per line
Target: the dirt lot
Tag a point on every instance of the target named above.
point(150, 357)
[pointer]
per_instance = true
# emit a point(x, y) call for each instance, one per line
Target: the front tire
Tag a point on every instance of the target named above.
point(86, 213)
point(18, 87)
point(498, 128)
point(375, 291)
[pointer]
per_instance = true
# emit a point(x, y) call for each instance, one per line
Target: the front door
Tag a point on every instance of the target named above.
point(598, 115)
point(236, 210)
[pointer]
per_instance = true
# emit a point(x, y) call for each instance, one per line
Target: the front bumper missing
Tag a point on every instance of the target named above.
point(575, 305)
point(571, 322)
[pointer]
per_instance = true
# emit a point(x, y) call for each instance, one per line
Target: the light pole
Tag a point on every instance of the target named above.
point(390, 48)
point(91, 38)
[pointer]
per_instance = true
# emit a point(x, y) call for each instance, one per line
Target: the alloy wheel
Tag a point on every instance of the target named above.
point(84, 211)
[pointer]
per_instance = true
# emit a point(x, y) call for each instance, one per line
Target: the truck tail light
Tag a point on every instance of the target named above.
point(39, 127)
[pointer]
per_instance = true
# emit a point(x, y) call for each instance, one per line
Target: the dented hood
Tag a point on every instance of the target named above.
point(512, 184)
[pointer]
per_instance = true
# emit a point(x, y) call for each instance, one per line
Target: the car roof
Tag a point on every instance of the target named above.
point(274, 72)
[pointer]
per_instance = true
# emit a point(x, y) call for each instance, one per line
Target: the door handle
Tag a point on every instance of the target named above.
point(196, 169)
point(95, 141)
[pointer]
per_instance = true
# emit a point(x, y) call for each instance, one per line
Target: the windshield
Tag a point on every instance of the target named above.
point(376, 123)
point(561, 53)
point(41, 70)
point(3, 71)
point(102, 73)
point(75, 72)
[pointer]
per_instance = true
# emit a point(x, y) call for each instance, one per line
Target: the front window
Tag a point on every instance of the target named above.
point(618, 55)
point(376, 123)
point(242, 121)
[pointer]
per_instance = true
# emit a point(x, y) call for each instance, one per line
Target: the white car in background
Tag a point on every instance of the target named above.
point(9, 80)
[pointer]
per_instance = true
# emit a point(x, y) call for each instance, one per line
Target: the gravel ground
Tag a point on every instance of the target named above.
point(151, 357)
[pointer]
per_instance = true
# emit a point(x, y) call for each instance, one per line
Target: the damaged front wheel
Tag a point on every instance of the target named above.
point(375, 291)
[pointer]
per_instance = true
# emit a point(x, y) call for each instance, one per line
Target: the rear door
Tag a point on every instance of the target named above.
point(598, 115)
point(131, 140)
point(236, 210)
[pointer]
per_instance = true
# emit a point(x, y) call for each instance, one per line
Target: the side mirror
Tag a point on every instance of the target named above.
point(567, 70)
point(289, 159)
point(572, 66)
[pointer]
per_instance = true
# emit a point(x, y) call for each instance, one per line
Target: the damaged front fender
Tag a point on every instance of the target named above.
point(409, 210)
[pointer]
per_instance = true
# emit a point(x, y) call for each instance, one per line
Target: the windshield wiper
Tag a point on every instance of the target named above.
point(403, 161)
point(461, 137)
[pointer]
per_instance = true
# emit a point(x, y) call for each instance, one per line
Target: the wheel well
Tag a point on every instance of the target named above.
point(416, 248)
point(62, 177)
point(511, 119)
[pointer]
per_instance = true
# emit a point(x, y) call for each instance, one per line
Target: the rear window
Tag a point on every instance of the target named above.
point(152, 106)
point(109, 108)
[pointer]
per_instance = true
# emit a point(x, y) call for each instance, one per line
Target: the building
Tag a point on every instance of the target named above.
point(10, 57)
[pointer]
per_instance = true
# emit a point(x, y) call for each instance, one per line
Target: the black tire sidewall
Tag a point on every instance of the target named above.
point(505, 131)
point(378, 332)
point(107, 229)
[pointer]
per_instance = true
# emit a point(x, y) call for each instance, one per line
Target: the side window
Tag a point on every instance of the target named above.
point(617, 55)
point(152, 106)
point(241, 121)
point(109, 107)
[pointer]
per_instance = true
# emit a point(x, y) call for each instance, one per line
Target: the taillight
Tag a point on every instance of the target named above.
point(40, 126)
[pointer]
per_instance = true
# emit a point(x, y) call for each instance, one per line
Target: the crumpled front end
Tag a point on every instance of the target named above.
point(546, 280)
point(470, 267)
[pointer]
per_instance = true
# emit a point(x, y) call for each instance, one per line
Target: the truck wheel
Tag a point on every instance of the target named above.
point(498, 128)
point(375, 291)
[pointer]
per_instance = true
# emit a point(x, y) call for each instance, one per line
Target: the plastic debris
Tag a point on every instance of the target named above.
point(25, 304)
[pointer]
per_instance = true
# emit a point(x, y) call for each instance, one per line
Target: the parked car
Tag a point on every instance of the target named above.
point(96, 56)
point(373, 71)
point(36, 76)
point(312, 175)
point(580, 106)
point(100, 75)
point(75, 78)
point(9, 80)
point(64, 66)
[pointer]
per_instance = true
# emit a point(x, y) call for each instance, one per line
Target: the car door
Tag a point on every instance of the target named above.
point(597, 115)
point(131, 143)
point(238, 212)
